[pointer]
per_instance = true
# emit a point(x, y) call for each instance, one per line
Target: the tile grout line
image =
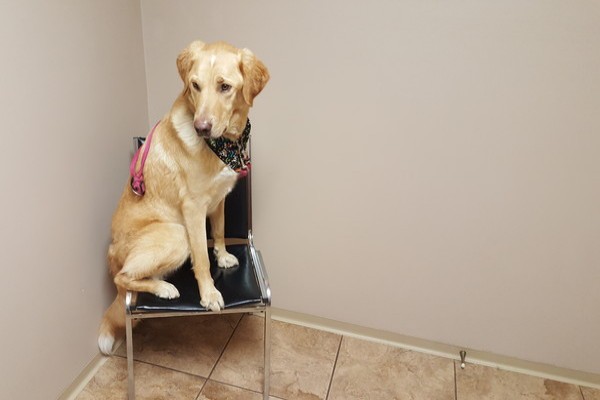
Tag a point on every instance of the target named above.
point(220, 355)
point(225, 347)
point(478, 357)
point(135, 360)
point(337, 355)
point(163, 367)
point(219, 359)
point(242, 388)
point(186, 372)
point(168, 368)
point(201, 389)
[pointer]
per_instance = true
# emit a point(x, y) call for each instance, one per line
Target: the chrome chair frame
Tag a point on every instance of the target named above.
point(264, 306)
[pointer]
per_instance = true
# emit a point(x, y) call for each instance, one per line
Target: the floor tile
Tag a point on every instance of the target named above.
point(218, 391)
point(189, 344)
point(367, 370)
point(301, 359)
point(477, 382)
point(590, 394)
point(152, 382)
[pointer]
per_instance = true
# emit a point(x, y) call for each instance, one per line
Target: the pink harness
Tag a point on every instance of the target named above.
point(137, 177)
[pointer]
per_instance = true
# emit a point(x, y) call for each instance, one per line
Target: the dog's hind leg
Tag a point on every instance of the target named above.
point(158, 249)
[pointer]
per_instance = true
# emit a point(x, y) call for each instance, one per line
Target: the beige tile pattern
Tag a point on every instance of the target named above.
point(188, 344)
point(152, 382)
point(367, 370)
point(477, 382)
point(179, 353)
point(242, 361)
point(302, 359)
point(218, 391)
point(590, 393)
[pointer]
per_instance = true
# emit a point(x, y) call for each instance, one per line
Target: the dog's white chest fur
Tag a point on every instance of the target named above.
point(222, 184)
point(214, 186)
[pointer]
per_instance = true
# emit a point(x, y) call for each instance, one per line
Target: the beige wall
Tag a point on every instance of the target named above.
point(423, 167)
point(72, 93)
point(426, 168)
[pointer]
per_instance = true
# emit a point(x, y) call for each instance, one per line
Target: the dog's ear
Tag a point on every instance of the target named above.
point(186, 58)
point(255, 75)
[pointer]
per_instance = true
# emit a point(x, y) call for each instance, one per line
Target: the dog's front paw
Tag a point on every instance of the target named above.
point(166, 290)
point(226, 260)
point(212, 300)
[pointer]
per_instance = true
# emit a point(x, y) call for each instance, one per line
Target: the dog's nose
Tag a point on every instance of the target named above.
point(203, 128)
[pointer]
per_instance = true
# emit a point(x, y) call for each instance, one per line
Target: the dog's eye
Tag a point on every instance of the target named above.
point(225, 87)
point(196, 86)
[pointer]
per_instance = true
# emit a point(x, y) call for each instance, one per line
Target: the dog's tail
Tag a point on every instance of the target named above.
point(112, 326)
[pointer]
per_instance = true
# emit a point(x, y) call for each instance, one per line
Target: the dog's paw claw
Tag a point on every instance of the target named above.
point(167, 291)
point(213, 300)
point(227, 260)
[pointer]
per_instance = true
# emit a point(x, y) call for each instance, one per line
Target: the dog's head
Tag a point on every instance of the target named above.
point(220, 83)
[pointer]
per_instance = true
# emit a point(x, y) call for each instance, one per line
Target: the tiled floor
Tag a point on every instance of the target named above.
point(220, 358)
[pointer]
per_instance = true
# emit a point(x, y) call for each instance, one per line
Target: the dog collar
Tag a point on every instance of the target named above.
point(233, 153)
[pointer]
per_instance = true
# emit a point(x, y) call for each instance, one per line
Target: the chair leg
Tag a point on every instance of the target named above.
point(267, 347)
point(130, 377)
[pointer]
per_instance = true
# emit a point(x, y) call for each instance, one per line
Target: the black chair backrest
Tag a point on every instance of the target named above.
point(238, 205)
point(238, 220)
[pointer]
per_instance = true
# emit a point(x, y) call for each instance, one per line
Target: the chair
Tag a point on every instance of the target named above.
point(245, 288)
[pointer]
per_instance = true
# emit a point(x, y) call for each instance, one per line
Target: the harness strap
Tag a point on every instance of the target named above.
point(137, 177)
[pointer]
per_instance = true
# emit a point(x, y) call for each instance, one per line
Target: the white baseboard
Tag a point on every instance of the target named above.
point(73, 390)
point(438, 349)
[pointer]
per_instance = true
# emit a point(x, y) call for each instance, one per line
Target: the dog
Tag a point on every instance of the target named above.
point(184, 183)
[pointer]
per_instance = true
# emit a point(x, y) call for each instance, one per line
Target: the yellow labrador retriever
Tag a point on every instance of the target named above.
point(185, 181)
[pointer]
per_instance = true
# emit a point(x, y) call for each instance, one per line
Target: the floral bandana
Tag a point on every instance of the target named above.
point(233, 153)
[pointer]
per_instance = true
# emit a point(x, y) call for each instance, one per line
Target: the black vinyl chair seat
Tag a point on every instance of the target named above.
point(238, 285)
